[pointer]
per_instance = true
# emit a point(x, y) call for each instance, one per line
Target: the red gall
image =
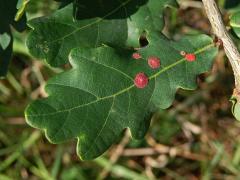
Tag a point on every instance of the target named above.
point(136, 56)
point(190, 57)
point(154, 62)
point(141, 80)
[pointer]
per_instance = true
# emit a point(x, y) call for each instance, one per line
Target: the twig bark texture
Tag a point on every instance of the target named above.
point(221, 32)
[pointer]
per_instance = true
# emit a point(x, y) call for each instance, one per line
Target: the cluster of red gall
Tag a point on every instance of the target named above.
point(141, 79)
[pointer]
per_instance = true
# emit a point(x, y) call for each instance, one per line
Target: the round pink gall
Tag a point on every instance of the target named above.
point(141, 80)
point(154, 62)
point(136, 56)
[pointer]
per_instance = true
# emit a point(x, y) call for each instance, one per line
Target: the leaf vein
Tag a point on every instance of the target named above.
point(99, 133)
point(126, 75)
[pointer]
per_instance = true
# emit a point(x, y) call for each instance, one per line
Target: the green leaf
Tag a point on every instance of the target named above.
point(235, 23)
point(230, 4)
point(8, 11)
point(120, 25)
point(64, 3)
point(106, 9)
point(5, 40)
point(235, 108)
point(97, 99)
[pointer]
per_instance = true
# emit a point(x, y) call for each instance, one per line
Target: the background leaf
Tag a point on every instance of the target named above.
point(231, 4)
point(8, 11)
point(235, 23)
point(53, 37)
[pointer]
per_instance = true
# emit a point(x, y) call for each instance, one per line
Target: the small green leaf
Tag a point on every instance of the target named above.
point(235, 23)
point(5, 40)
point(235, 108)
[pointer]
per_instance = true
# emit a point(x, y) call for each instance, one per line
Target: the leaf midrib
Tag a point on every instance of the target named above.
point(130, 87)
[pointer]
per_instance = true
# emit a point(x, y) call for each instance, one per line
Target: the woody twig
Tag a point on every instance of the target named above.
point(215, 18)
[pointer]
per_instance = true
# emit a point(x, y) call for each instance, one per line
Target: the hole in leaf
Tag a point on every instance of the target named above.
point(143, 41)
